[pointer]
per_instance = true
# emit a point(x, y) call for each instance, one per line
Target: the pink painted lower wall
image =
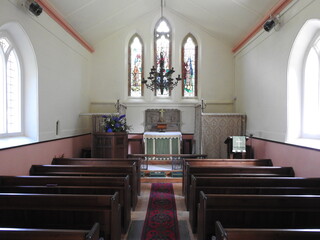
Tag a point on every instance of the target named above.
point(18, 160)
point(305, 162)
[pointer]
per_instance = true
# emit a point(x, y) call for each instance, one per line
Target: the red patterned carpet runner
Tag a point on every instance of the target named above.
point(161, 221)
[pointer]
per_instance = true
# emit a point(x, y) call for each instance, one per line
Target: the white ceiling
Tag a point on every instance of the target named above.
point(228, 20)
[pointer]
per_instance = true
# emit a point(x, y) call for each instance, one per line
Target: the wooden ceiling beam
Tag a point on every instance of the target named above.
point(57, 17)
point(273, 12)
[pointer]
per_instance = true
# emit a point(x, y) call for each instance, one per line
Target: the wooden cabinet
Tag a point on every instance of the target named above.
point(109, 145)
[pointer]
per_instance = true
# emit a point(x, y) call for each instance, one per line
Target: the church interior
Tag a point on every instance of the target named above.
point(177, 119)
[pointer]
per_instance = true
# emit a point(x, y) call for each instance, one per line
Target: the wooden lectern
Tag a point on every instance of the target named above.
point(237, 147)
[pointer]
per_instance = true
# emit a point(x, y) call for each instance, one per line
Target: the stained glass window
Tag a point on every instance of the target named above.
point(162, 43)
point(189, 66)
point(135, 66)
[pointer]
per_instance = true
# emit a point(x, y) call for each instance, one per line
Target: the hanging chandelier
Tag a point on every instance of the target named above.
point(161, 79)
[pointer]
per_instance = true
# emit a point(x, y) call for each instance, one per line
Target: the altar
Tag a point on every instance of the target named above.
point(162, 142)
point(162, 131)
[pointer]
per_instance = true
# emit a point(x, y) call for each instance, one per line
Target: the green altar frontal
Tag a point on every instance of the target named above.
point(162, 142)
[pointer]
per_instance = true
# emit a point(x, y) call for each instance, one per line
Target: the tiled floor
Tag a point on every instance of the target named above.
point(140, 212)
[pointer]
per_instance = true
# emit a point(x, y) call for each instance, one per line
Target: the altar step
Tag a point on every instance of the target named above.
point(161, 173)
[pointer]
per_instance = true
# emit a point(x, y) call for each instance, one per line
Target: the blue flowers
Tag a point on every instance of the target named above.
point(114, 123)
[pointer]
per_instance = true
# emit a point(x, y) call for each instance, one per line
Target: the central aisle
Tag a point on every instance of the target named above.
point(138, 216)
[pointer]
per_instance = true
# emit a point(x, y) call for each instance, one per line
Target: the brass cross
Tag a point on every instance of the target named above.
point(161, 115)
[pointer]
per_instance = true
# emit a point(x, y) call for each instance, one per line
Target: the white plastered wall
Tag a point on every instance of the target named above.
point(110, 72)
point(63, 73)
point(261, 74)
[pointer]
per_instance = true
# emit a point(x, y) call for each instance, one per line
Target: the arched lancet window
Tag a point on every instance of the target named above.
point(162, 43)
point(135, 67)
point(10, 90)
point(311, 92)
point(303, 86)
point(189, 65)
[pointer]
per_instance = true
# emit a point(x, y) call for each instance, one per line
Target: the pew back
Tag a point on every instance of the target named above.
point(223, 162)
point(195, 195)
point(232, 171)
point(264, 233)
point(257, 211)
point(61, 211)
point(124, 195)
point(49, 234)
point(102, 161)
point(82, 170)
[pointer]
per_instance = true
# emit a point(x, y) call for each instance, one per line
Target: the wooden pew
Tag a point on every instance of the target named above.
point(250, 185)
point(233, 171)
point(102, 161)
point(195, 193)
point(124, 195)
point(245, 190)
point(264, 233)
point(223, 162)
point(65, 211)
point(83, 170)
point(75, 183)
point(49, 234)
point(257, 211)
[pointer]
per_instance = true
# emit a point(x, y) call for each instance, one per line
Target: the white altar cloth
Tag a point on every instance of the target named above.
point(162, 135)
point(154, 146)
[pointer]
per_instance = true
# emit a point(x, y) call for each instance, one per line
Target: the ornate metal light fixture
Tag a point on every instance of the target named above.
point(161, 80)
point(160, 77)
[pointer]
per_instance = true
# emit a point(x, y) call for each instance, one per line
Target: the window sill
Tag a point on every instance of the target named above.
point(304, 142)
point(14, 142)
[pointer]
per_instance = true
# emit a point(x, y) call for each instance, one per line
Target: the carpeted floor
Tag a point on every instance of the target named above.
point(161, 219)
point(135, 230)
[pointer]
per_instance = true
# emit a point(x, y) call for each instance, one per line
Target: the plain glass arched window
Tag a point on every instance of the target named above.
point(303, 87)
point(135, 66)
point(189, 66)
point(311, 93)
point(10, 91)
point(162, 44)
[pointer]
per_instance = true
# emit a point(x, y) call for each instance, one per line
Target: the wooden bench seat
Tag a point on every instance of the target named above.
point(223, 162)
point(232, 171)
point(250, 185)
point(264, 233)
point(257, 211)
point(194, 196)
point(65, 211)
point(124, 195)
point(49, 234)
point(73, 182)
point(83, 170)
point(102, 161)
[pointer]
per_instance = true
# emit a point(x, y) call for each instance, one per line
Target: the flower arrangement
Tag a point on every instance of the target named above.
point(114, 123)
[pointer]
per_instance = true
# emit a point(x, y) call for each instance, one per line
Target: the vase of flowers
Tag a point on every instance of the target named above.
point(113, 123)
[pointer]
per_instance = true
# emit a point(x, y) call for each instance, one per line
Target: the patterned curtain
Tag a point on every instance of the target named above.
point(215, 128)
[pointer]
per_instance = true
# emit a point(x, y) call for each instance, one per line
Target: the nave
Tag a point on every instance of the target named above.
point(244, 195)
point(138, 216)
